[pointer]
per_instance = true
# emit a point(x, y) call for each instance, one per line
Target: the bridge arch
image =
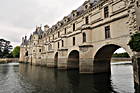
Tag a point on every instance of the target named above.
point(103, 55)
point(73, 60)
point(56, 59)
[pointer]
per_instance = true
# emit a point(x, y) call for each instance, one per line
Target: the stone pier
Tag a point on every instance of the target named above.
point(136, 68)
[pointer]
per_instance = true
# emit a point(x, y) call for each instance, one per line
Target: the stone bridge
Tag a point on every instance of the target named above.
point(86, 39)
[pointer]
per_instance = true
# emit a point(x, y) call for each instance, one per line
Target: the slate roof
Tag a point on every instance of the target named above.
point(80, 10)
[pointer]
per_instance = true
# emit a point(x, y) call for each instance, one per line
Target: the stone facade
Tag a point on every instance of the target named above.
point(86, 38)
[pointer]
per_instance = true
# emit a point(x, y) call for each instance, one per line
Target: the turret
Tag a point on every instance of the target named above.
point(46, 27)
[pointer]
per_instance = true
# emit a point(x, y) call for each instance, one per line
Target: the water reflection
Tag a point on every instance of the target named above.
point(54, 81)
point(25, 78)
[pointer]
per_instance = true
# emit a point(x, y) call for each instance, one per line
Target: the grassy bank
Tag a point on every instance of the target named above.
point(120, 59)
point(8, 60)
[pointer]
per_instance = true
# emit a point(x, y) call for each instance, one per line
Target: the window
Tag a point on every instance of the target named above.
point(137, 4)
point(26, 54)
point(73, 41)
point(40, 50)
point(49, 39)
point(65, 31)
point(73, 15)
point(58, 34)
point(58, 44)
point(74, 27)
point(84, 37)
point(53, 37)
point(106, 12)
point(87, 20)
point(107, 32)
point(62, 43)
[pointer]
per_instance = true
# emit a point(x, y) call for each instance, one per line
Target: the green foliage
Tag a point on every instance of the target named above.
point(134, 43)
point(5, 48)
point(121, 55)
point(16, 52)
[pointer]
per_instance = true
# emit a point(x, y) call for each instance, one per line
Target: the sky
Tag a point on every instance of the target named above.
point(20, 17)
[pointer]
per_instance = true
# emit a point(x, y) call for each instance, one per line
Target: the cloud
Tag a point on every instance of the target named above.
point(19, 17)
point(12, 33)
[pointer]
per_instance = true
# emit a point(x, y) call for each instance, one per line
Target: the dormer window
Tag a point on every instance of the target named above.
point(59, 24)
point(86, 6)
point(66, 19)
point(55, 27)
point(73, 15)
point(50, 47)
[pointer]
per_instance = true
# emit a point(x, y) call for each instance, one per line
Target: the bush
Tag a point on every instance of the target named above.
point(16, 52)
point(134, 43)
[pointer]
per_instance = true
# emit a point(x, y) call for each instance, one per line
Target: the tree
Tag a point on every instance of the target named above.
point(121, 55)
point(5, 48)
point(16, 52)
point(134, 43)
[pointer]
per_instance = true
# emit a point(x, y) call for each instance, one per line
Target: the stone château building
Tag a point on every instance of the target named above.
point(86, 38)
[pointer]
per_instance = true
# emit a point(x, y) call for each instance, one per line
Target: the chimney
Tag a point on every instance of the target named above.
point(25, 38)
point(22, 39)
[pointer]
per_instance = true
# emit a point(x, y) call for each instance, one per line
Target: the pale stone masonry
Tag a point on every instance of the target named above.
point(86, 38)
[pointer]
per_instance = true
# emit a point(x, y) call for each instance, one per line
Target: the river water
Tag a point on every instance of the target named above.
point(23, 78)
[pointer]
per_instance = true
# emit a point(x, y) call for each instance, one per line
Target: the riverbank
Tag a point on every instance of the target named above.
point(120, 59)
point(8, 60)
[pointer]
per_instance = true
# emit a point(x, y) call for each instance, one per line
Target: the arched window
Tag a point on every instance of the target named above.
point(84, 37)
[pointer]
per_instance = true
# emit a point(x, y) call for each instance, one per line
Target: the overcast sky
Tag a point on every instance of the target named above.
point(20, 17)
